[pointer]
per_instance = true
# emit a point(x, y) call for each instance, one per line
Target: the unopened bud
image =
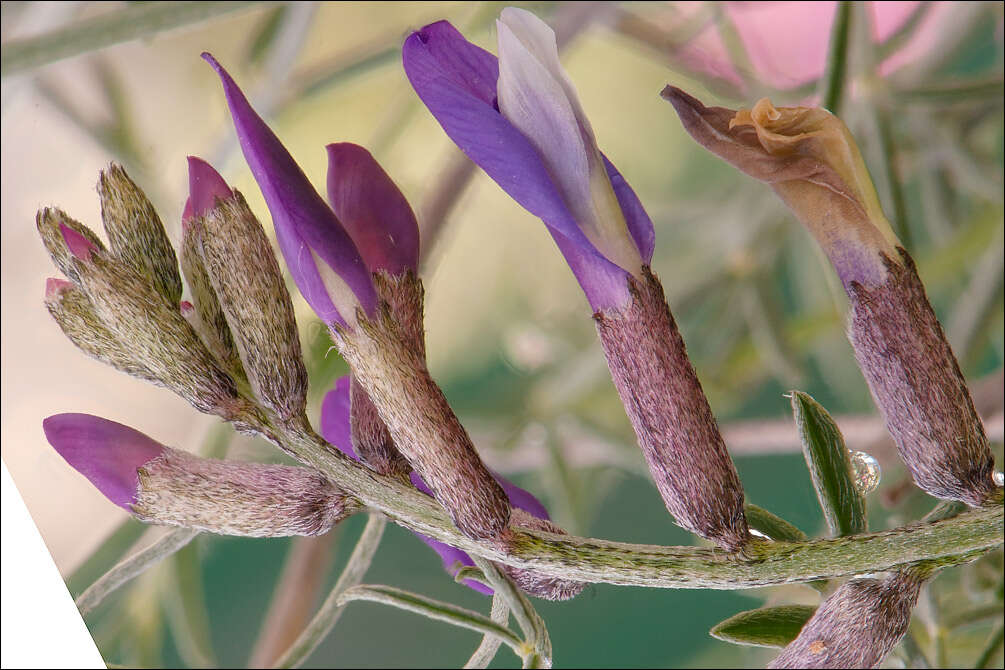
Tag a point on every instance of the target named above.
point(74, 313)
point(234, 498)
point(158, 336)
point(673, 422)
point(57, 230)
point(245, 276)
point(135, 232)
point(856, 626)
point(371, 439)
point(209, 321)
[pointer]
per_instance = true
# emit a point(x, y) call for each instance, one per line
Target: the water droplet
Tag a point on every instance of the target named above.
point(866, 470)
point(999, 478)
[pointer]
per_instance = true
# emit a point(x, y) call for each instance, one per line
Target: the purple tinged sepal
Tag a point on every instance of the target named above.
point(673, 421)
point(458, 82)
point(336, 428)
point(812, 162)
point(857, 625)
point(321, 256)
point(109, 454)
point(248, 287)
point(136, 235)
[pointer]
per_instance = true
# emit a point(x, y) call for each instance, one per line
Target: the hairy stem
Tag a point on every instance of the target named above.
point(762, 563)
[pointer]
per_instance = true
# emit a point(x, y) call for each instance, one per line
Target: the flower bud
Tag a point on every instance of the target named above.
point(158, 336)
point(320, 255)
point(246, 280)
point(56, 229)
point(209, 321)
point(74, 313)
point(811, 160)
point(856, 626)
point(673, 422)
point(135, 233)
point(161, 485)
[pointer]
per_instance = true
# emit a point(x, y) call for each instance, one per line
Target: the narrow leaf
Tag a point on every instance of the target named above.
point(433, 609)
point(765, 627)
point(530, 622)
point(832, 84)
point(830, 467)
point(773, 526)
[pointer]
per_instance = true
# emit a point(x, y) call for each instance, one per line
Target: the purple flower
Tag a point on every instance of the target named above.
point(335, 428)
point(321, 256)
point(372, 209)
point(519, 119)
point(105, 452)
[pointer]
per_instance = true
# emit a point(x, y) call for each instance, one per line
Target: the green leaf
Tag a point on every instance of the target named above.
point(830, 467)
point(765, 627)
point(832, 84)
point(773, 526)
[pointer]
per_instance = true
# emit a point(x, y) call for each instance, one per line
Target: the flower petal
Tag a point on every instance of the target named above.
point(305, 226)
point(639, 224)
point(205, 185)
point(456, 81)
point(106, 452)
point(372, 209)
point(335, 426)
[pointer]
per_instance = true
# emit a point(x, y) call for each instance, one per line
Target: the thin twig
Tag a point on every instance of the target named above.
point(134, 565)
point(330, 611)
point(487, 650)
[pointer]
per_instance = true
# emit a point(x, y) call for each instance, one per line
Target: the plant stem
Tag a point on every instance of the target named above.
point(832, 85)
point(167, 544)
point(487, 650)
point(123, 25)
point(948, 542)
point(330, 611)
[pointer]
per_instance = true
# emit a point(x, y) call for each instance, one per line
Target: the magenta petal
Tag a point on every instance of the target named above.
point(79, 246)
point(372, 209)
point(304, 222)
point(335, 425)
point(456, 80)
point(105, 452)
point(55, 286)
point(205, 185)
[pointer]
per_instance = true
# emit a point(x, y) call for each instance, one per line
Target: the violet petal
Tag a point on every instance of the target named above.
point(305, 226)
point(372, 209)
point(335, 425)
point(106, 452)
point(456, 80)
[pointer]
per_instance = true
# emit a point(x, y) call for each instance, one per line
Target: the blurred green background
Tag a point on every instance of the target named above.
point(510, 338)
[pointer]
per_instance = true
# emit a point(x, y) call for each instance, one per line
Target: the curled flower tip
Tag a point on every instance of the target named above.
point(55, 286)
point(321, 256)
point(810, 159)
point(205, 185)
point(107, 453)
point(79, 246)
point(372, 209)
